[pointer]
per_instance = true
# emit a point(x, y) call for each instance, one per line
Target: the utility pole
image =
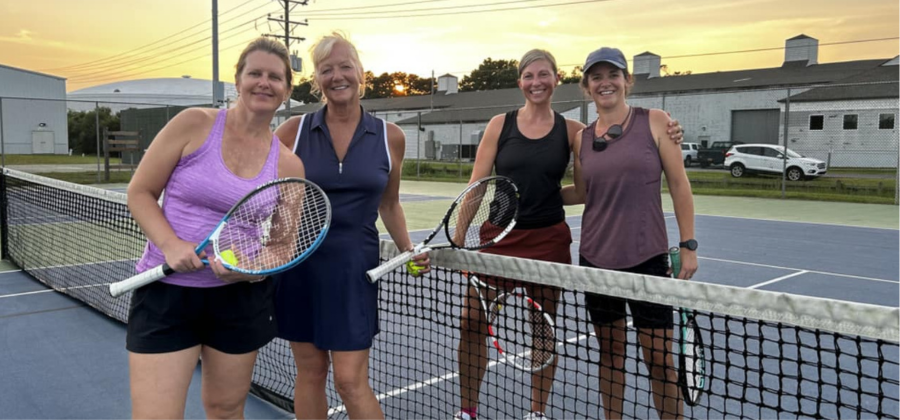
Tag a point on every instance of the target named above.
point(217, 91)
point(288, 26)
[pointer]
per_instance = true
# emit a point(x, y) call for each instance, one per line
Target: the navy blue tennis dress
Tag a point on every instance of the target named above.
point(327, 300)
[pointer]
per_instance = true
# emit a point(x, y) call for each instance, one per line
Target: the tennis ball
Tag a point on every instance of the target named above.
point(413, 268)
point(229, 257)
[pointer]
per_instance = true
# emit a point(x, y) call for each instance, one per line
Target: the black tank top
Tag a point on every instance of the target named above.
point(537, 166)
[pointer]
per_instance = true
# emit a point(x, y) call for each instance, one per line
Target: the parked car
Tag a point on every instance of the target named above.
point(715, 153)
point(689, 153)
point(769, 158)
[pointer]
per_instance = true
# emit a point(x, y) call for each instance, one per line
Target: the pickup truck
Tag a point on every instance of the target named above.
point(715, 153)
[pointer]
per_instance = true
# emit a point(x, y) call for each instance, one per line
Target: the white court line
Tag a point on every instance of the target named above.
point(765, 283)
point(449, 376)
point(14, 270)
point(851, 276)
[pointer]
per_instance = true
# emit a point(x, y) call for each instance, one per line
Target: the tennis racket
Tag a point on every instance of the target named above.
point(518, 327)
point(273, 228)
point(481, 215)
point(691, 355)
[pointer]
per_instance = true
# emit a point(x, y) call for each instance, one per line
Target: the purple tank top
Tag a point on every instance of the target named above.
point(623, 223)
point(200, 191)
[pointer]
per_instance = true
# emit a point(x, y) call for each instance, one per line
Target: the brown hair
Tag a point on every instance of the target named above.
point(272, 47)
point(537, 55)
point(629, 81)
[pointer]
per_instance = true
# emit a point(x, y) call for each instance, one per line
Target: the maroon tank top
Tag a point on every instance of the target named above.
point(623, 223)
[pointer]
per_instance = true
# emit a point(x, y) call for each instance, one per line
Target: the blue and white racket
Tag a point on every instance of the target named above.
point(271, 229)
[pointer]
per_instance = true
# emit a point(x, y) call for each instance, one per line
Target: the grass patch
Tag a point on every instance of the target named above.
point(54, 160)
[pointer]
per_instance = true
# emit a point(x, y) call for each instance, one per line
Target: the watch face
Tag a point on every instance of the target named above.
point(690, 244)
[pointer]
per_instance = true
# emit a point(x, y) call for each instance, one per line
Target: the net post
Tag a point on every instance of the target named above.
point(4, 220)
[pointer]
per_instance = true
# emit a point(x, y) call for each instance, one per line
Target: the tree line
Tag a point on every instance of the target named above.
point(491, 74)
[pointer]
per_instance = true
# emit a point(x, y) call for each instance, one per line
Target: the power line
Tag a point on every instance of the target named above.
point(356, 16)
point(123, 66)
point(134, 50)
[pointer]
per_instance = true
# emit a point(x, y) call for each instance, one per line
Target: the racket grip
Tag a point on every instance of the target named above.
point(675, 260)
point(378, 272)
point(121, 287)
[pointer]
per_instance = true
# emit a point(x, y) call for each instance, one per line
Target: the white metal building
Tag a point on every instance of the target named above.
point(32, 112)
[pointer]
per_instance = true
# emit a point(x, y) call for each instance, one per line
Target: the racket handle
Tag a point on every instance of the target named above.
point(378, 272)
point(675, 260)
point(121, 287)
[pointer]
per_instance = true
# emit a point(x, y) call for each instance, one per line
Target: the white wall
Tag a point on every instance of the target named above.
point(21, 116)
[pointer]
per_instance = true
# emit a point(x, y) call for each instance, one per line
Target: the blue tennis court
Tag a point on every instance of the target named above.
point(63, 359)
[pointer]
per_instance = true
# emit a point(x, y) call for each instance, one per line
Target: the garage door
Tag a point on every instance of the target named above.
point(755, 126)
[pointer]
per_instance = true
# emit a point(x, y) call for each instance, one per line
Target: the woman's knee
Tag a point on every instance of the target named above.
point(312, 364)
point(351, 383)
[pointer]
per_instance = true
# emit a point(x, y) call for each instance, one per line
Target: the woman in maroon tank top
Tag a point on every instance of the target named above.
point(619, 159)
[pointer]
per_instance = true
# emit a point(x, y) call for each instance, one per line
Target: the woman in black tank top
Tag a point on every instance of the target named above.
point(531, 146)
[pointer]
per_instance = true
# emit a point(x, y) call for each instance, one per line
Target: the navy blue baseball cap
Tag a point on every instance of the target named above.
point(606, 55)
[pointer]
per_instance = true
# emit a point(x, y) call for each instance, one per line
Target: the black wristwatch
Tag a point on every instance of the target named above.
point(690, 244)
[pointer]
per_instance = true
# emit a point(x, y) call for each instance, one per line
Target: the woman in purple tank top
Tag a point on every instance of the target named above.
point(205, 160)
point(619, 159)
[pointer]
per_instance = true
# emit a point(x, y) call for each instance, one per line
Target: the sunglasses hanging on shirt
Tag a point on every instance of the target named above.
point(613, 132)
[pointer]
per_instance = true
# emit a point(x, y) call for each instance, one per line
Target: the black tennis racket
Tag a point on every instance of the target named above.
point(518, 327)
point(273, 228)
point(691, 354)
point(481, 215)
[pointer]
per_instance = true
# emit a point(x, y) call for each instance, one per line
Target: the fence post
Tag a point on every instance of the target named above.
point(418, 141)
point(2, 140)
point(787, 114)
point(97, 126)
point(897, 184)
point(459, 150)
point(828, 164)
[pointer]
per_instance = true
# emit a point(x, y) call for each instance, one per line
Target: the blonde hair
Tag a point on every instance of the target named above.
point(537, 55)
point(272, 47)
point(322, 49)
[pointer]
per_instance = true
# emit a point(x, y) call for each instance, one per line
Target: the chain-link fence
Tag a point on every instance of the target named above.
point(842, 139)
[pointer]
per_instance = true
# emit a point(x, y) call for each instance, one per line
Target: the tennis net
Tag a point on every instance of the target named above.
point(767, 355)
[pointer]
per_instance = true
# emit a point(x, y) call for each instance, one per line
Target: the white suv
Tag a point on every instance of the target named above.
point(769, 158)
point(689, 153)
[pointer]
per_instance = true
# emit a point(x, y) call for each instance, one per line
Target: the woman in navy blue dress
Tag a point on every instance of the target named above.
point(326, 304)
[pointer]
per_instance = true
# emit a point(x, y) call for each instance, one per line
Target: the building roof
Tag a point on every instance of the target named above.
point(175, 91)
point(505, 99)
point(878, 83)
point(32, 72)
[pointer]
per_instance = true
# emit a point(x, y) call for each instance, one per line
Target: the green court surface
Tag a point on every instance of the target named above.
point(426, 215)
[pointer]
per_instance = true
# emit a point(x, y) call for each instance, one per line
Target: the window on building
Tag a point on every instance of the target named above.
point(851, 121)
point(816, 122)
point(885, 121)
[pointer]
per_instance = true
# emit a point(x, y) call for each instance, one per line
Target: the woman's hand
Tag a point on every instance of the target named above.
point(180, 256)
point(229, 276)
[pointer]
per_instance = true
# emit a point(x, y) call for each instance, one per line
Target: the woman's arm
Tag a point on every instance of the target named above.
point(574, 194)
point(183, 134)
point(679, 189)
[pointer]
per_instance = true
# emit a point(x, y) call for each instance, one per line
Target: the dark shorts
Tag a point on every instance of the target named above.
point(607, 309)
point(236, 319)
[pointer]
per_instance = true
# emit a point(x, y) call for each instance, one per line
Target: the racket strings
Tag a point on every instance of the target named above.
point(526, 336)
point(483, 214)
point(274, 226)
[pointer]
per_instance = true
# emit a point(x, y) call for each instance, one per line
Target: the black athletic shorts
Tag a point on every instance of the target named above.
point(607, 309)
point(236, 319)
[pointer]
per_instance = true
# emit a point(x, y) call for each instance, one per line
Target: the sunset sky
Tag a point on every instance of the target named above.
point(93, 42)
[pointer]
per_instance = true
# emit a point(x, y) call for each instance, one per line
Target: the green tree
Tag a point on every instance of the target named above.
point(573, 77)
point(83, 129)
point(491, 74)
point(303, 91)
